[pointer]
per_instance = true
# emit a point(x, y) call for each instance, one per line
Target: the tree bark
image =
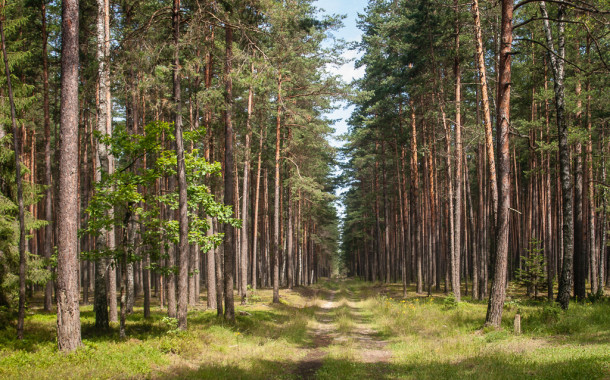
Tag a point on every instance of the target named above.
point(245, 193)
point(211, 267)
point(256, 206)
point(102, 163)
point(68, 312)
point(580, 268)
point(48, 235)
point(489, 148)
point(229, 243)
point(498, 288)
point(212, 263)
point(596, 271)
point(457, 209)
point(557, 65)
point(277, 249)
point(183, 244)
point(415, 201)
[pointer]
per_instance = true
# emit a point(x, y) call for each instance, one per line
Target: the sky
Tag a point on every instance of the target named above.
point(350, 33)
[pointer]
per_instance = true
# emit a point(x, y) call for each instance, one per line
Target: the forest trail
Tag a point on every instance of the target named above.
point(342, 331)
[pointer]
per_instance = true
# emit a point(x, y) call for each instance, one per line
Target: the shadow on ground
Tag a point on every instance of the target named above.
point(485, 367)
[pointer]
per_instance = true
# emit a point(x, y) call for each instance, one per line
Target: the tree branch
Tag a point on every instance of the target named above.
point(591, 8)
point(552, 52)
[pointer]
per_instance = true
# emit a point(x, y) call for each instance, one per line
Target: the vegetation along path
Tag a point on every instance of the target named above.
point(335, 329)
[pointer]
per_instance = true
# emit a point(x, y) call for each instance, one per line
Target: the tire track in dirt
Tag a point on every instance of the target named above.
point(362, 337)
point(322, 336)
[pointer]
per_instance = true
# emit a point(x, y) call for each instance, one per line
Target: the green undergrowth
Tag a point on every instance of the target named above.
point(265, 338)
point(428, 337)
point(437, 337)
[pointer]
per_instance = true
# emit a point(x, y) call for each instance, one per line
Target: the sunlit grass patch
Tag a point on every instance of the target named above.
point(434, 337)
point(265, 336)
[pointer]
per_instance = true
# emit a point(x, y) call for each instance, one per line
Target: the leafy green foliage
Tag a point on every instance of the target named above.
point(127, 191)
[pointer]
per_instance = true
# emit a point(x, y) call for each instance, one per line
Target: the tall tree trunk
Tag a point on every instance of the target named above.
point(229, 243)
point(386, 215)
point(603, 246)
point(401, 191)
point(256, 205)
point(415, 201)
point(289, 242)
point(493, 184)
point(549, 249)
point(265, 273)
point(245, 193)
point(102, 158)
point(498, 288)
point(214, 294)
point(596, 272)
point(277, 249)
point(48, 235)
point(457, 235)
point(68, 312)
point(289, 233)
point(183, 244)
point(171, 256)
point(17, 147)
point(474, 245)
point(565, 281)
point(580, 255)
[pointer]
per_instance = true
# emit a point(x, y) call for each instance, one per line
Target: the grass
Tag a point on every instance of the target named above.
point(434, 337)
point(429, 338)
point(267, 340)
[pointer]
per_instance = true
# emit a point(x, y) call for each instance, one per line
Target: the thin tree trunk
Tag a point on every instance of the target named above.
point(229, 243)
point(102, 163)
point(565, 281)
point(386, 216)
point(276, 201)
point(211, 267)
point(550, 251)
point(256, 206)
point(401, 191)
point(245, 193)
point(48, 235)
point(171, 259)
point(457, 235)
point(603, 252)
point(596, 272)
point(498, 288)
point(214, 293)
point(415, 201)
point(183, 244)
point(580, 267)
point(218, 257)
point(493, 184)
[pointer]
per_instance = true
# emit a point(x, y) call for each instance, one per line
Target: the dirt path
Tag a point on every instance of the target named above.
point(359, 337)
point(322, 336)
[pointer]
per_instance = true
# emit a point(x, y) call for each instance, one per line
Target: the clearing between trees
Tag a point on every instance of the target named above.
point(337, 329)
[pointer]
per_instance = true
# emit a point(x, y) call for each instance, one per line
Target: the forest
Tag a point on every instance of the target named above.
point(176, 200)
